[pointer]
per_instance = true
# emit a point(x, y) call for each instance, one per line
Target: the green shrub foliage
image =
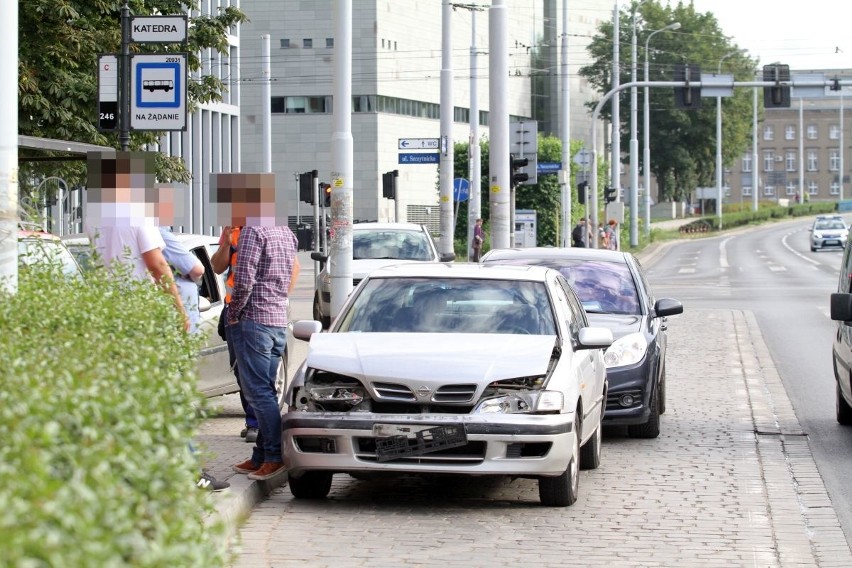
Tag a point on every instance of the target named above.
point(98, 406)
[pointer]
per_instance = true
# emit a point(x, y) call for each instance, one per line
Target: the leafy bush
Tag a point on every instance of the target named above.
point(98, 406)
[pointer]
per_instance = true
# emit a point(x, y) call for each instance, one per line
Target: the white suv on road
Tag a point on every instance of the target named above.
point(376, 245)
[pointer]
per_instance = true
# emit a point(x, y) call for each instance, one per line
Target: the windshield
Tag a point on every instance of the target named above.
point(450, 305)
point(603, 287)
point(394, 244)
point(829, 225)
point(46, 251)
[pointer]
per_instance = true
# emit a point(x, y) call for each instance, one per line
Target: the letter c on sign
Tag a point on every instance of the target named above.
point(106, 66)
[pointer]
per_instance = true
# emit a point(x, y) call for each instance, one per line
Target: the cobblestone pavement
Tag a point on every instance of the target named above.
point(729, 482)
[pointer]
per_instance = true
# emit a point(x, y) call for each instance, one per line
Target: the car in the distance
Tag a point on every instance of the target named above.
point(828, 231)
point(375, 245)
point(453, 368)
point(39, 247)
point(615, 294)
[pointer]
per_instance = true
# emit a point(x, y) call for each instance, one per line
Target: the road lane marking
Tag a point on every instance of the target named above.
point(797, 253)
point(723, 253)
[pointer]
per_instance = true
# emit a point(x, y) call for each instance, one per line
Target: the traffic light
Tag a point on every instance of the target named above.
point(609, 194)
point(389, 184)
point(581, 192)
point(326, 187)
point(687, 97)
point(776, 96)
point(516, 164)
point(306, 186)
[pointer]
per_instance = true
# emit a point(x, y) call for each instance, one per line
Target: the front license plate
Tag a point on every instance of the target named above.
point(405, 441)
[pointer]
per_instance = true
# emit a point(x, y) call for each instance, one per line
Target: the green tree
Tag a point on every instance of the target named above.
point(683, 142)
point(59, 43)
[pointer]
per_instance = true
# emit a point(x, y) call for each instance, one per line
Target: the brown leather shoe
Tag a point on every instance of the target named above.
point(267, 470)
point(247, 466)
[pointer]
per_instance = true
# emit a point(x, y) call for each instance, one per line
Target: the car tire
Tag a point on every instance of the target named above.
point(590, 452)
point(311, 485)
point(562, 491)
point(844, 411)
point(651, 428)
point(813, 248)
point(325, 321)
point(661, 401)
point(281, 380)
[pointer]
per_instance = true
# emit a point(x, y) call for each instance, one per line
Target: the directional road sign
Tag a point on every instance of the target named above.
point(419, 144)
point(158, 91)
point(461, 189)
point(412, 158)
point(549, 167)
point(107, 92)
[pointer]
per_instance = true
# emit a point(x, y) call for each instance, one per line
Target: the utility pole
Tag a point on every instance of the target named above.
point(124, 87)
point(266, 80)
point(499, 182)
point(446, 155)
point(9, 153)
point(565, 132)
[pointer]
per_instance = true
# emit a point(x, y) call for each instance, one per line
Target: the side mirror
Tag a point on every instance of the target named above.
point(448, 256)
point(319, 257)
point(667, 307)
point(594, 338)
point(304, 329)
point(203, 304)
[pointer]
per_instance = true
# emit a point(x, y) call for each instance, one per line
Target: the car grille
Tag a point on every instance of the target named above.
point(447, 394)
point(455, 393)
point(394, 391)
point(471, 453)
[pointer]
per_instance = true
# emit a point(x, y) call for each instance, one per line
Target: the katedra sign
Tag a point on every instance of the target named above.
point(158, 29)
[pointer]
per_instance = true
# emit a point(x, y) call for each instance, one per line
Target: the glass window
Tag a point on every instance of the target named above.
point(790, 188)
point(295, 104)
point(746, 190)
point(277, 105)
point(834, 132)
point(329, 42)
point(790, 132)
point(747, 162)
point(769, 190)
point(307, 43)
point(790, 158)
point(768, 132)
point(834, 188)
point(834, 160)
point(812, 162)
point(285, 43)
point(768, 160)
point(813, 188)
point(812, 132)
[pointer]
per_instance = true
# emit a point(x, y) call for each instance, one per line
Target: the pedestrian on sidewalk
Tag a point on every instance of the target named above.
point(477, 240)
point(225, 258)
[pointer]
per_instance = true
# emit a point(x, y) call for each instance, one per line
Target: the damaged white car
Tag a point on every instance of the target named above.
point(450, 368)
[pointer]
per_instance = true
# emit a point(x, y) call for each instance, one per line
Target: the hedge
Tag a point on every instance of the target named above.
point(98, 405)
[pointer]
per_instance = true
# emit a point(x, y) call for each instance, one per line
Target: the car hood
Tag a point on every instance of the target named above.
point(361, 268)
point(431, 357)
point(619, 324)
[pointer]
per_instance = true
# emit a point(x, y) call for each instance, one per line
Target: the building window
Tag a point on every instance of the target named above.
point(768, 160)
point(769, 190)
point(285, 43)
point(747, 163)
point(383, 44)
point(812, 161)
point(791, 188)
point(394, 46)
point(812, 132)
point(813, 189)
point(300, 105)
point(834, 132)
point(790, 161)
point(746, 190)
point(834, 189)
point(307, 43)
point(277, 105)
point(768, 132)
point(834, 160)
point(329, 42)
point(790, 132)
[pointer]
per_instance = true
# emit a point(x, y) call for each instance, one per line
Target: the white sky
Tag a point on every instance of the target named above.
point(805, 34)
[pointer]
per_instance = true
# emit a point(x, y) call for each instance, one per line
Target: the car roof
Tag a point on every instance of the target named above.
point(36, 234)
point(463, 270)
point(386, 226)
point(573, 253)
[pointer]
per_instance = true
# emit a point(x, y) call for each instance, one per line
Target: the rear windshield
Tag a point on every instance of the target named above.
point(32, 251)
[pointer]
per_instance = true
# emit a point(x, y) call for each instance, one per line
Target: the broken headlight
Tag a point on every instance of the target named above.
point(519, 395)
point(330, 392)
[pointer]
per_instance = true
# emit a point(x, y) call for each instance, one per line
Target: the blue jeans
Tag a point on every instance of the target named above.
point(251, 420)
point(259, 349)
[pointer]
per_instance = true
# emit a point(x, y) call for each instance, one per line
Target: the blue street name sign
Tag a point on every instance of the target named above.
point(412, 158)
point(549, 167)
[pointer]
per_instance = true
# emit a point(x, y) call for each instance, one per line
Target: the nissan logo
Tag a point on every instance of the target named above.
point(424, 391)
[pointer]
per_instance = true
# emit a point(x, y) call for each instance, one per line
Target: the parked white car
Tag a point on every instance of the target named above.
point(375, 245)
point(450, 368)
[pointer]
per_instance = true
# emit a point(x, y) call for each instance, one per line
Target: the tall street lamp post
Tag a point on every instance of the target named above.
point(646, 159)
point(634, 143)
point(719, 141)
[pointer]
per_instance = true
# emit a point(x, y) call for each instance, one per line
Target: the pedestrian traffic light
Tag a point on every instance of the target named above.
point(581, 192)
point(325, 189)
point(776, 96)
point(609, 194)
point(516, 164)
point(687, 97)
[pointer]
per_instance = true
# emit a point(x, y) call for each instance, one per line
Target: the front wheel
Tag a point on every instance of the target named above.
point(562, 491)
point(844, 411)
point(311, 485)
point(651, 428)
point(590, 452)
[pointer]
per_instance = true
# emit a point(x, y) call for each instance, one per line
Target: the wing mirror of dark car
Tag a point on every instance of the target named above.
point(321, 258)
point(448, 256)
point(667, 307)
point(841, 307)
